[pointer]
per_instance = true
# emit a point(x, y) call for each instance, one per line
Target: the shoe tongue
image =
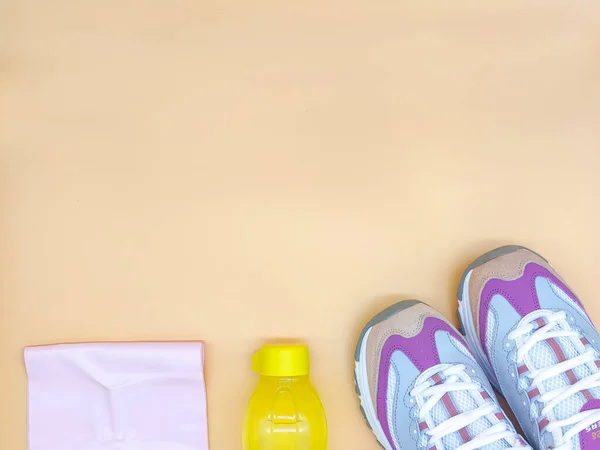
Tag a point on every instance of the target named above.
point(458, 402)
point(589, 438)
point(548, 353)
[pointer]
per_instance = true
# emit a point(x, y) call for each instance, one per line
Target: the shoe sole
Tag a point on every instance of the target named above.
point(465, 315)
point(361, 381)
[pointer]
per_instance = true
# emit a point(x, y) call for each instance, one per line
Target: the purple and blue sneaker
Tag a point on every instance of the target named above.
point(536, 344)
point(420, 387)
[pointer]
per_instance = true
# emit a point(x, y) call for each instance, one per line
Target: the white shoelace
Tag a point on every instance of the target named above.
point(456, 379)
point(558, 327)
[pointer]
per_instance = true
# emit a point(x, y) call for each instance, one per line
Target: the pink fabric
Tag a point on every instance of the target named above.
point(117, 396)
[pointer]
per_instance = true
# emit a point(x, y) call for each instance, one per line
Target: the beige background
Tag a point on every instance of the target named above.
point(234, 171)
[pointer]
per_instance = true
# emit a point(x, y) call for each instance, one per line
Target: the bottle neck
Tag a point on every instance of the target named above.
point(283, 380)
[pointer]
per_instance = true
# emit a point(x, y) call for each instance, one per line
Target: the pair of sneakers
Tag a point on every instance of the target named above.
point(423, 385)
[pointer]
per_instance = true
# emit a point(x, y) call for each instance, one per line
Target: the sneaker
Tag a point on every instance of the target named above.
point(421, 388)
point(537, 345)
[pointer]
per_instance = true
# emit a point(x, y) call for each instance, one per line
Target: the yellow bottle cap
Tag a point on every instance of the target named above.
point(282, 360)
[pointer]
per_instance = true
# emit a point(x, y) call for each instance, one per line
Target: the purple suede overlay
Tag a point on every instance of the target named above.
point(590, 440)
point(422, 352)
point(520, 293)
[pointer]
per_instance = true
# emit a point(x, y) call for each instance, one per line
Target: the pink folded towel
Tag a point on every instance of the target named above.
point(117, 396)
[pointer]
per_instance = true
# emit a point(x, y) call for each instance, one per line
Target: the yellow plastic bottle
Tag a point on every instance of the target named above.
point(285, 412)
